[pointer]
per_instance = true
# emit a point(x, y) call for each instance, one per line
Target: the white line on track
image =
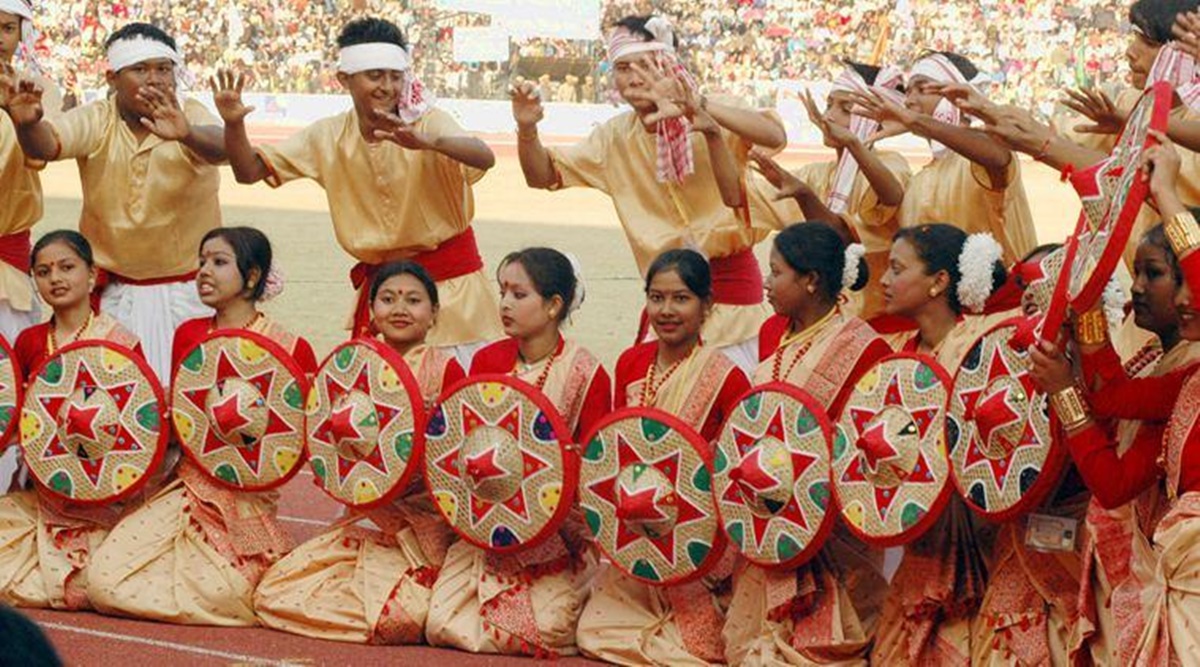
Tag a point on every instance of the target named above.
point(171, 646)
point(310, 522)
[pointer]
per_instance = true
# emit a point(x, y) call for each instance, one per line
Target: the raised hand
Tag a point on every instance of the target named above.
point(1187, 32)
point(894, 119)
point(227, 89)
point(21, 98)
point(967, 98)
point(668, 94)
point(526, 103)
point(1018, 129)
point(1096, 106)
point(835, 135)
point(1160, 167)
point(397, 131)
point(166, 119)
point(788, 186)
point(1049, 368)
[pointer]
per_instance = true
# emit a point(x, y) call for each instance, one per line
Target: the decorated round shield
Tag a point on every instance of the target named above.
point(890, 472)
point(771, 476)
point(91, 423)
point(11, 383)
point(998, 430)
point(499, 463)
point(646, 491)
point(366, 424)
point(1112, 194)
point(237, 401)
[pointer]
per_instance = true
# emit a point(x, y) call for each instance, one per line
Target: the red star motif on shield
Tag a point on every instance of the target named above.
point(458, 466)
point(81, 421)
point(876, 446)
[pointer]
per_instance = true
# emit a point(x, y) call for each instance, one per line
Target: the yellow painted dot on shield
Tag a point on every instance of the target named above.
point(365, 492)
point(388, 378)
point(869, 381)
point(250, 351)
point(114, 362)
point(854, 514)
point(492, 392)
point(310, 406)
point(447, 503)
point(31, 425)
point(184, 425)
point(125, 476)
point(285, 459)
point(549, 497)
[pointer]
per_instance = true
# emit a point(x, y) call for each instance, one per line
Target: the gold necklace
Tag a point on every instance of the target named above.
point(52, 342)
point(545, 374)
point(212, 326)
point(651, 387)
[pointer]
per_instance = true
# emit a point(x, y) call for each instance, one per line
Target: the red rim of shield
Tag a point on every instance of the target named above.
point(939, 504)
point(821, 534)
point(569, 452)
point(8, 437)
point(394, 359)
point(289, 365)
point(704, 449)
point(1160, 93)
point(164, 415)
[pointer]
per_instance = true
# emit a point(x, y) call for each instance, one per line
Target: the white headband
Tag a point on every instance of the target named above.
point(940, 69)
point(17, 7)
point(375, 55)
point(133, 50)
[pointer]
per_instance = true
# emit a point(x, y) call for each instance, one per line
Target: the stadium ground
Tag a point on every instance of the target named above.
point(315, 303)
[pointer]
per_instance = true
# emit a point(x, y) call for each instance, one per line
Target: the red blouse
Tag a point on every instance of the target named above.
point(190, 333)
point(31, 348)
point(634, 364)
point(501, 357)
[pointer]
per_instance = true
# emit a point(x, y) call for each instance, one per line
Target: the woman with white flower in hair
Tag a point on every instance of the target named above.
point(479, 602)
point(811, 343)
point(194, 553)
point(148, 161)
point(935, 272)
point(674, 166)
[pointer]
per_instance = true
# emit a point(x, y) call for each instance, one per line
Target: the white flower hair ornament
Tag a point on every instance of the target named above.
point(580, 285)
point(1114, 299)
point(854, 255)
point(976, 265)
point(274, 283)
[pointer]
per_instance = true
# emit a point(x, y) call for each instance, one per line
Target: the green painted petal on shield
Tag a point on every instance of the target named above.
point(702, 479)
point(53, 372)
point(654, 430)
point(786, 548)
point(645, 570)
point(719, 461)
point(148, 417)
point(595, 449)
point(61, 483)
point(737, 533)
point(839, 443)
point(911, 514)
point(819, 493)
point(924, 377)
point(697, 551)
point(345, 357)
point(404, 445)
point(592, 518)
point(752, 404)
point(806, 421)
point(293, 396)
point(194, 361)
point(226, 473)
point(372, 419)
point(318, 466)
point(6, 413)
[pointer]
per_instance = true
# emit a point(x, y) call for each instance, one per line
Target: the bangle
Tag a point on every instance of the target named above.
point(1182, 232)
point(1070, 407)
point(1092, 328)
point(527, 135)
point(1044, 149)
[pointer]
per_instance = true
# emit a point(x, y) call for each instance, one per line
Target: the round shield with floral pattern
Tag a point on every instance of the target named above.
point(645, 487)
point(11, 385)
point(366, 424)
point(1002, 454)
point(771, 476)
point(499, 462)
point(237, 402)
point(91, 424)
point(890, 473)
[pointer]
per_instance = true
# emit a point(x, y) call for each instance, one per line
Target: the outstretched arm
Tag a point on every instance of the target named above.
point(248, 166)
point(467, 150)
point(791, 187)
point(536, 163)
point(23, 102)
point(168, 121)
point(883, 182)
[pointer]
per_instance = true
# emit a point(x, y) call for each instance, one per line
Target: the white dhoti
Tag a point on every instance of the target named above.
point(152, 313)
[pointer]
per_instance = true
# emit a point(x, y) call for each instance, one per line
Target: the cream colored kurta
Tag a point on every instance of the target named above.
point(389, 203)
point(147, 203)
point(954, 190)
point(619, 159)
point(22, 207)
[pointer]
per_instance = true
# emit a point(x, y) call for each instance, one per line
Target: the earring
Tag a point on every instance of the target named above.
point(812, 289)
point(933, 292)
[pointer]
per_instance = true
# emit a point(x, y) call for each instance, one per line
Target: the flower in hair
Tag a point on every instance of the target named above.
point(976, 268)
point(854, 255)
